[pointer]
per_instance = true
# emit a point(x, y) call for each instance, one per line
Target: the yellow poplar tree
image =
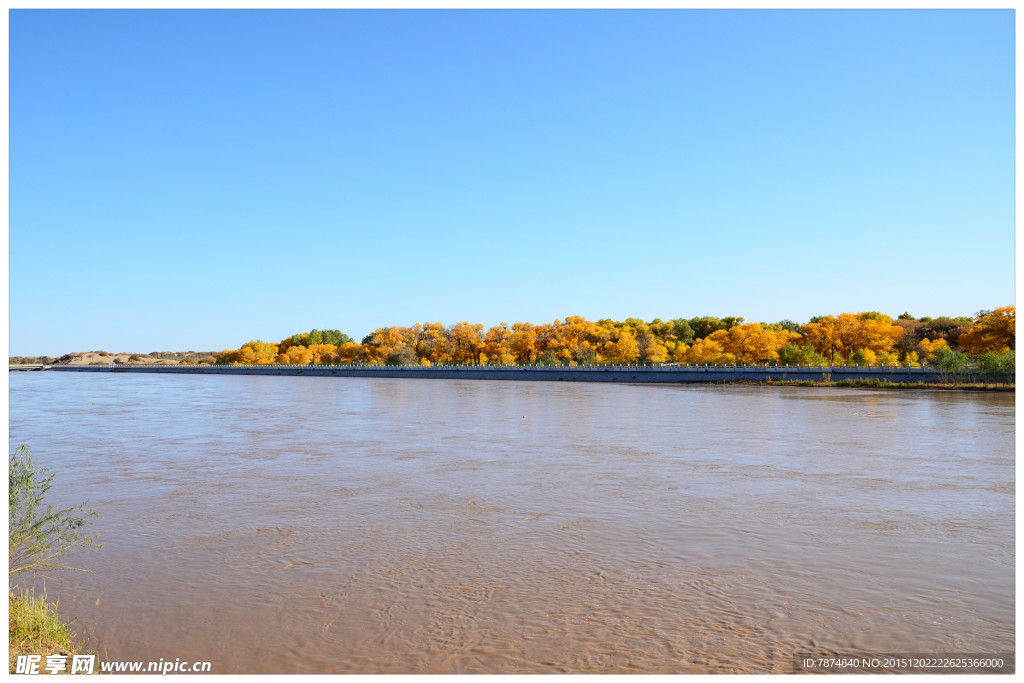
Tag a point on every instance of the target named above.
point(993, 332)
point(709, 350)
point(466, 342)
point(497, 345)
point(524, 342)
point(296, 355)
point(351, 352)
point(624, 349)
point(926, 348)
point(322, 353)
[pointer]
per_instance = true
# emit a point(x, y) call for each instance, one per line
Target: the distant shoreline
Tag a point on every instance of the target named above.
point(819, 376)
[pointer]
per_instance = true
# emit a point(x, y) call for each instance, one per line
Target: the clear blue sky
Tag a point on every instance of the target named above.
point(196, 179)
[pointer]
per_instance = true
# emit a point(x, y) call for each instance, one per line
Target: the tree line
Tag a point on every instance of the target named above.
point(867, 338)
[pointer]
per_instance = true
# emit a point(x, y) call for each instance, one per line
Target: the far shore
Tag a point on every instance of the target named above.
point(880, 384)
point(810, 376)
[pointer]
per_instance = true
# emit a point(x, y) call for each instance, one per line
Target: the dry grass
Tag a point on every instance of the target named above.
point(36, 628)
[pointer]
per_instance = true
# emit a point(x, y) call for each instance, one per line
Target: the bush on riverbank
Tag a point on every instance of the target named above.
point(38, 537)
point(36, 628)
point(954, 366)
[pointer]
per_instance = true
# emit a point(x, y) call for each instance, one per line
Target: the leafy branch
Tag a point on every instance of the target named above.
point(39, 535)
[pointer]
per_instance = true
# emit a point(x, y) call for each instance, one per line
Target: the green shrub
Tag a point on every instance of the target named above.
point(549, 358)
point(791, 354)
point(39, 535)
point(951, 361)
point(998, 362)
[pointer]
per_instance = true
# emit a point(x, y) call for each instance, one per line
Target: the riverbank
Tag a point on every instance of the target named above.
point(882, 384)
point(818, 375)
point(36, 628)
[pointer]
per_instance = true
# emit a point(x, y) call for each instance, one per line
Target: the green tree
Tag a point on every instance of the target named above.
point(791, 354)
point(948, 359)
point(944, 327)
point(402, 356)
point(950, 364)
point(549, 357)
point(683, 332)
point(998, 362)
point(703, 327)
point(315, 336)
point(335, 337)
point(585, 355)
point(39, 535)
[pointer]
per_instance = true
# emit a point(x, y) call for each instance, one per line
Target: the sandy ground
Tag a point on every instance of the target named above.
point(94, 357)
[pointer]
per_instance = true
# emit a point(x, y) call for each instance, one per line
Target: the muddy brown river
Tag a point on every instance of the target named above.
point(329, 525)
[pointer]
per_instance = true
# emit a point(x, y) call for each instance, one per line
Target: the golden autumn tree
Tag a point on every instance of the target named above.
point(651, 348)
point(497, 345)
point(351, 352)
point(624, 349)
point(253, 352)
point(576, 340)
point(708, 351)
point(838, 336)
point(679, 351)
point(995, 331)
point(665, 335)
point(863, 357)
point(466, 343)
point(753, 343)
point(432, 343)
point(226, 356)
point(322, 353)
point(391, 345)
point(524, 343)
point(749, 343)
point(664, 331)
point(875, 332)
point(294, 340)
point(825, 335)
point(926, 349)
point(547, 338)
point(296, 355)
point(867, 337)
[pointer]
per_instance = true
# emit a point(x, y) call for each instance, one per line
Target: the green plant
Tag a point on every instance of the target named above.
point(791, 354)
point(997, 362)
point(34, 626)
point(549, 358)
point(950, 360)
point(39, 535)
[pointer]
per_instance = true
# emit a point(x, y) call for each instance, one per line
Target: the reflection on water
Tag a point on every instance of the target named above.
point(328, 525)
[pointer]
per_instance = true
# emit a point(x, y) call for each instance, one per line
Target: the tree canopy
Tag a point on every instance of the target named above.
point(868, 337)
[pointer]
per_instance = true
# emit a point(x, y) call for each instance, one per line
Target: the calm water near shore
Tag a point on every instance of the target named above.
point(328, 525)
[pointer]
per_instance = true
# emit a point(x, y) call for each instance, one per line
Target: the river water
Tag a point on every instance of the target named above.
point(329, 525)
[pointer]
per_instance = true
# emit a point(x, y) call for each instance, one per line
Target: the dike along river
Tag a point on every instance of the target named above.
point(329, 525)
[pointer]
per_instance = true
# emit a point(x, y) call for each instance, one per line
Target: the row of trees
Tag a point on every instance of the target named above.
point(863, 338)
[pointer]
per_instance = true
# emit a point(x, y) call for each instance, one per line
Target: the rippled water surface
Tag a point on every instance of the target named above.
point(331, 525)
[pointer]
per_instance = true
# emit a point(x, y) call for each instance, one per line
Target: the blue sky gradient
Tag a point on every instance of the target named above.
point(191, 180)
